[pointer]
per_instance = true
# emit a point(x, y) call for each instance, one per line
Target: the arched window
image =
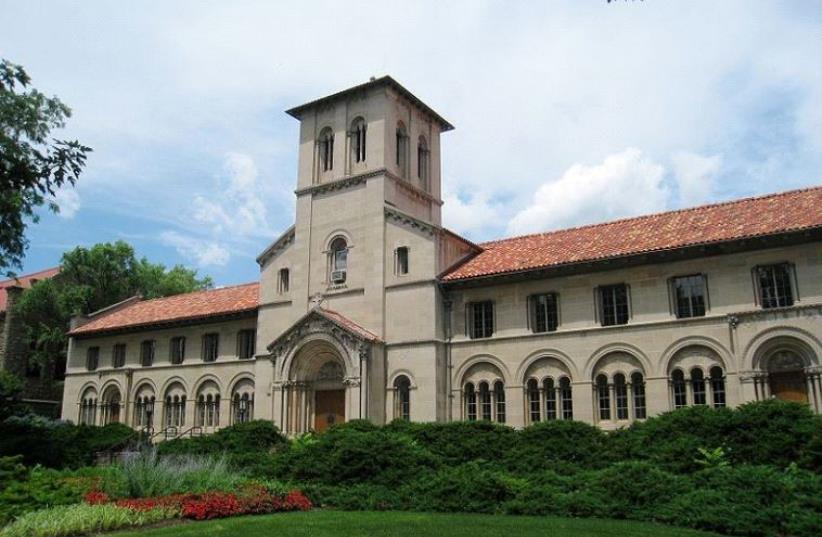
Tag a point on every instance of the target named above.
point(423, 162)
point(486, 408)
point(638, 388)
point(326, 148)
point(533, 400)
point(88, 407)
point(358, 140)
point(566, 399)
point(338, 260)
point(603, 397)
point(678, 388)
point(144, 407)
point(718, 386)
point(499, 401)
point(621, 396)
point(698, 386)
point(402, 148)
point(242, 402)
point(550, 399)
point(208, 406)
point(470, 402)
point(111, 405)
point(402, 398)
point(175, 406)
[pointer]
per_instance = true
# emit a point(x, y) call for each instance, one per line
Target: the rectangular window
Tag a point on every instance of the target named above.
point(481, 319)
point(245, 343)
point(283, 277)
point(92, 358)
point(177, 350)
point(689, 293)
point(118, 355)
point(621, 397)
point(211, 347)
point(544, 312)
point(401, 261)
point(147, 353)
point(604, 401)
point(774, 282)
point(613, 304)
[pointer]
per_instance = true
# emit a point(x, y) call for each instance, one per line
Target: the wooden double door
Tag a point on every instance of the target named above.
point(789, 386)
point(329, 408)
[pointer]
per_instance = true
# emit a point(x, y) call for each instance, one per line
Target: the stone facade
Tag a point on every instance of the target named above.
point(356, 321)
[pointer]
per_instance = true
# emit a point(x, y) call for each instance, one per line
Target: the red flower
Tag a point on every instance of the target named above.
point(95, 497)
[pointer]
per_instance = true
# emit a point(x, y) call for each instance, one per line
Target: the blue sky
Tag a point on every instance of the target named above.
point(566, 112)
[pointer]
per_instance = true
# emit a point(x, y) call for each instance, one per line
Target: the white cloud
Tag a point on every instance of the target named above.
point(469, 215)
point(235, 206)
point(695, 175)
point(624, 184)
point(204, 253)
point(68, 200)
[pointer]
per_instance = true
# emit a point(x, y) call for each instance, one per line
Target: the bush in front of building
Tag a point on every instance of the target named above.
point(59, 444)
point(562, 445)
point(258, 436)
point(355, 453)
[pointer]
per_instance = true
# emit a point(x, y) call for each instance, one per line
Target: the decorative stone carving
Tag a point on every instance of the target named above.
point(316, 323)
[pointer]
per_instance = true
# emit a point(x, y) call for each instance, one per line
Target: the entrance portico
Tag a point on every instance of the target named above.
point(321, 372)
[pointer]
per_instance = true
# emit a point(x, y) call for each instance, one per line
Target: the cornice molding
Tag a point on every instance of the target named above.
point(280, 243)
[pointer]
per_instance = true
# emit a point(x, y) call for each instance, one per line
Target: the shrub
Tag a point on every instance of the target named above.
point(354, 454)
point(59, 444)
point(147, 474)
point(28, 489)
point(558, 443)
point(239, 439)
point(80, 519)
point(460, 442)
point(470, 488)
point(771, 432)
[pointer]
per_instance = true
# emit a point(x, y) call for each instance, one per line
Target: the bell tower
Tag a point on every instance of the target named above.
point(376, 128)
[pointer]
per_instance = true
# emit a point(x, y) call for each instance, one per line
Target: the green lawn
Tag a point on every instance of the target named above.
point(394, 524)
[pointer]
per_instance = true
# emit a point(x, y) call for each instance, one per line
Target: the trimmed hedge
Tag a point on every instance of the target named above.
point(59, 444)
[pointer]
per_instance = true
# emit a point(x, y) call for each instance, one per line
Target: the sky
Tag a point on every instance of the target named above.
point(566, 112)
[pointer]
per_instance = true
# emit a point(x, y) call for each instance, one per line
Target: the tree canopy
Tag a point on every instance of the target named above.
point(33, 166)
point(91, 279)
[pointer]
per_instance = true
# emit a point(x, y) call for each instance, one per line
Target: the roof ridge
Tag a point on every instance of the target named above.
point(651, 215)
point(29, 275)
point(212, 290)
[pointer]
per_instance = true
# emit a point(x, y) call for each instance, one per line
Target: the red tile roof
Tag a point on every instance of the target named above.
point(189, 306)
point(25, 281)
point(347, 323)
point(722, 222)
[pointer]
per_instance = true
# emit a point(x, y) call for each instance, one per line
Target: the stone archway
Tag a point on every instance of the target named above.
point(316, 393)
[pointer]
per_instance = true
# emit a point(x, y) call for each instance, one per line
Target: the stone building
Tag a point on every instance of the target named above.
point(368, 308)
point(42, 389)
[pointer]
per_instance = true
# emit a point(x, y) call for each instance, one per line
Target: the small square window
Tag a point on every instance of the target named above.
point(775, 286)
point(177, 350)
point(544, 312)
point(613, 304)
point(147, 353)
point(118, 355)
point(401, 261)
point(283, 281)
point(211, 347)
point(689, 295)
point(245, 343)
point(481, 319)
point(92, 358)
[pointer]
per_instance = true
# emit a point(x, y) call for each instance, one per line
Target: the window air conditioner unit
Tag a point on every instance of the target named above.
point(337, 276)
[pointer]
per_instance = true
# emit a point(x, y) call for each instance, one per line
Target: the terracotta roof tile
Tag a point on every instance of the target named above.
point(188, 306)
point(722, 222)
point(345, 322)
point(25, 281)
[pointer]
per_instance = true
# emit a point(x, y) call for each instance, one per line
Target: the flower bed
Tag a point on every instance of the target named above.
point(253, 500)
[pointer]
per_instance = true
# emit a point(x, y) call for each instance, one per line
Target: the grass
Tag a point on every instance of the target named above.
point(397, 524)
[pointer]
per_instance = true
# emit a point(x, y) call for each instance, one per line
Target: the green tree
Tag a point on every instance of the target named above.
point(91, 279)
point(10, 388)
point(32, 165)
